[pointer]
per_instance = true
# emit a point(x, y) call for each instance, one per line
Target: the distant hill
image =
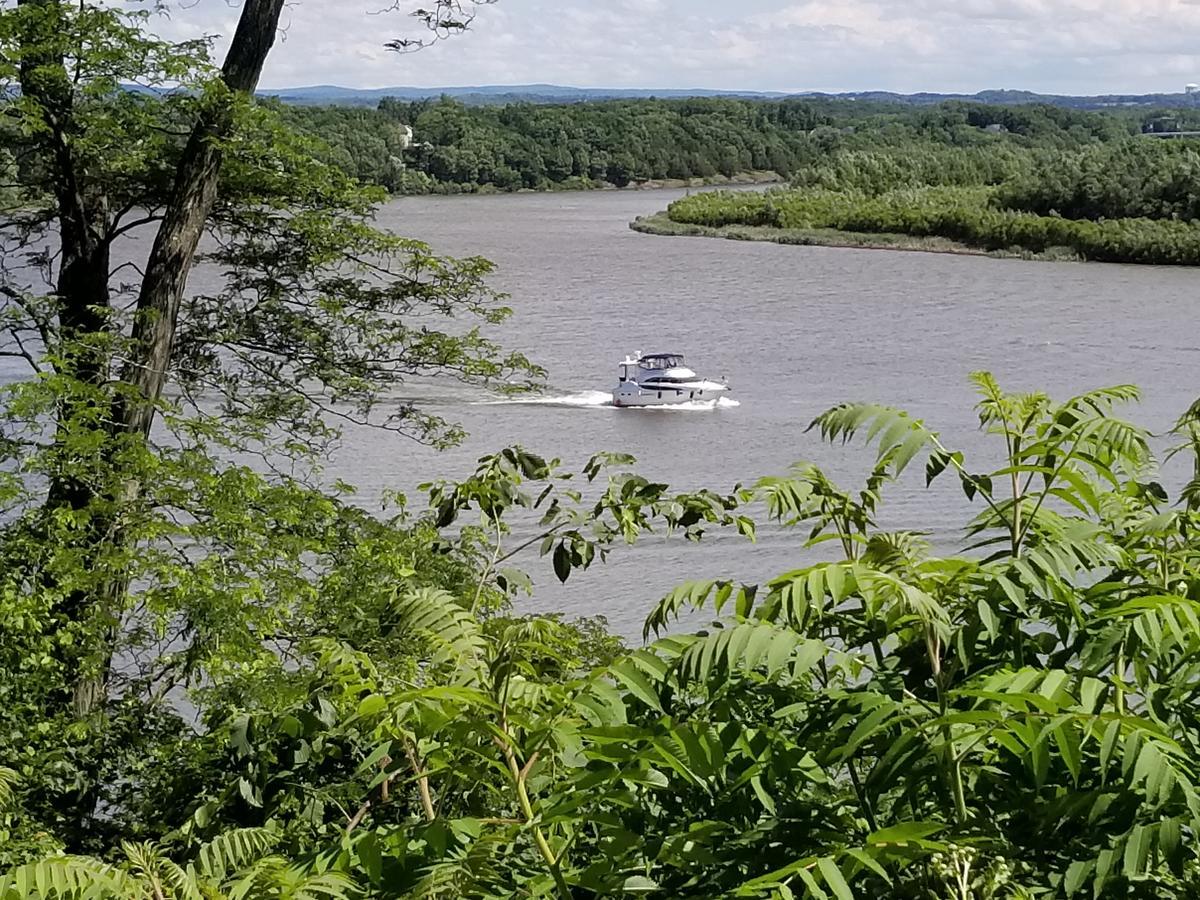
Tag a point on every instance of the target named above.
point(325, 94)
point(487, 95)
point(1016, 98)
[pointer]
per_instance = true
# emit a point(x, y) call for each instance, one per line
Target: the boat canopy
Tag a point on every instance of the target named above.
point(661, 361)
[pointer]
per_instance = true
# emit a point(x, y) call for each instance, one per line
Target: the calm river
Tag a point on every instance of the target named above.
point(796, 330)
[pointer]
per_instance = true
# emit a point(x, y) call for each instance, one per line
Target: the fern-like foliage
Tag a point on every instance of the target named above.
point(232, 866)
point(232, 851)
point(451, 634)
point(883, 719)
point(897, 436)
point(160, 875)
point(477, 871)
point(278, 879)
point(8, 784)
point(71, 878)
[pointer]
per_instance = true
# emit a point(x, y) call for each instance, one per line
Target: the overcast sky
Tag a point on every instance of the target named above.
point(1067, 46)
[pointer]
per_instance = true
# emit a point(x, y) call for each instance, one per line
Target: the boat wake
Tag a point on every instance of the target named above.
point(690, 406)
point(592, 399)
point(603, 399)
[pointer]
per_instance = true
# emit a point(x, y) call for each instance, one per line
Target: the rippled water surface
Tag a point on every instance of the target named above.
point(796, 330)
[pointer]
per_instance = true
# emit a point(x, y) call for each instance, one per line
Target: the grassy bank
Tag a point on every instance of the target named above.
point(661, 224)
point(964, 217)
point(741, 179)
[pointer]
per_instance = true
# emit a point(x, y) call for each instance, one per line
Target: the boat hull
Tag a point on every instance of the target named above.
point(630, 394)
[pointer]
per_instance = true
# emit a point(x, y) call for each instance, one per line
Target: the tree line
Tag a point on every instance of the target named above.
point(1150, 179)
point(1132, 199)
point(527, 146)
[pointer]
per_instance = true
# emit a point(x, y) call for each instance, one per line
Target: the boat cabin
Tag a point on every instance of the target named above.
point(647, 363)
point(657, 362)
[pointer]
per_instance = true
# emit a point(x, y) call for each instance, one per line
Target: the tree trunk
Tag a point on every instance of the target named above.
point(81, 291)
point(179, 234)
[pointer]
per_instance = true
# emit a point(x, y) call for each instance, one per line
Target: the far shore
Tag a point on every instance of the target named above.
point(742, 179)
point(660, 224)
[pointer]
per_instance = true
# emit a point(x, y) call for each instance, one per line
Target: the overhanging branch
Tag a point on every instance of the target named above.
point(442, 20)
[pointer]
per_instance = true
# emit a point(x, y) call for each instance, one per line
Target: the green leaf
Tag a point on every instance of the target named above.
point(248, 793)
point(834, 878)
point(372, 705)
point(1077, 875)
point(835, 577)
point(987, 616)
point(1112, 733)
point(637, 683)
point(1137, 851)
point(763, 797)
point(562, 561)
point(1068, 747)
point(239, 735)
point(904, 833)
point(868, 728)
point(867, 861)
point(746, 526)
point(814, 888)
point(370, 855)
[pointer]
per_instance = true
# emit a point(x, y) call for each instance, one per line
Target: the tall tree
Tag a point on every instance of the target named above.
point(115, 455)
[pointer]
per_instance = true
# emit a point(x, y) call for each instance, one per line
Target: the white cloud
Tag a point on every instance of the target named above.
point(1077, 46)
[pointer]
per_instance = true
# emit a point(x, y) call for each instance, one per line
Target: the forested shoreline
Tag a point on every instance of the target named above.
point(455, 148)
point(460, 149)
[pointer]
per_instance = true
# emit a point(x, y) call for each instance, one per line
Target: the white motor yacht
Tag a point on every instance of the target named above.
point(661, 379)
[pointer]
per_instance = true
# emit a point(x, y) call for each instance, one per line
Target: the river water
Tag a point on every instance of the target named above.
point(796, 330)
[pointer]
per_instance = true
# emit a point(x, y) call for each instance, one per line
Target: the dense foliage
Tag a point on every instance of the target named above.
point(528, 146)
point(163, 520)
point(1130, 200)
point(1129, 179)
point(913, 165)
point(221, 678)
point(966, 215)
point(1017, 721)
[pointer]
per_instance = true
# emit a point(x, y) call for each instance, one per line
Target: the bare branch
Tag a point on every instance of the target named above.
point(22, 352)
point(444, 19)
point(44, 328)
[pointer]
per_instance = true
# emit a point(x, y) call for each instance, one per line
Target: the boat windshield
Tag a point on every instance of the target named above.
point(661, 361)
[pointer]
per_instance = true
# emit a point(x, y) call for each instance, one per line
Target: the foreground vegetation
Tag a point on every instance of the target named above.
point(1133, 201)
point(1016, 721)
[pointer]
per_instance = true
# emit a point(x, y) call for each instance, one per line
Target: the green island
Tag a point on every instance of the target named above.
point(1128, 199)
point(225, 676)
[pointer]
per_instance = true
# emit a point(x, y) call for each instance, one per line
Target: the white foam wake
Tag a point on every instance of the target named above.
point(601, 399)
point(691, 406)
point(582, 398)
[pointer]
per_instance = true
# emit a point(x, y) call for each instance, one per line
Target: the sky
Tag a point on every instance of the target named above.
point(1050, 46)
